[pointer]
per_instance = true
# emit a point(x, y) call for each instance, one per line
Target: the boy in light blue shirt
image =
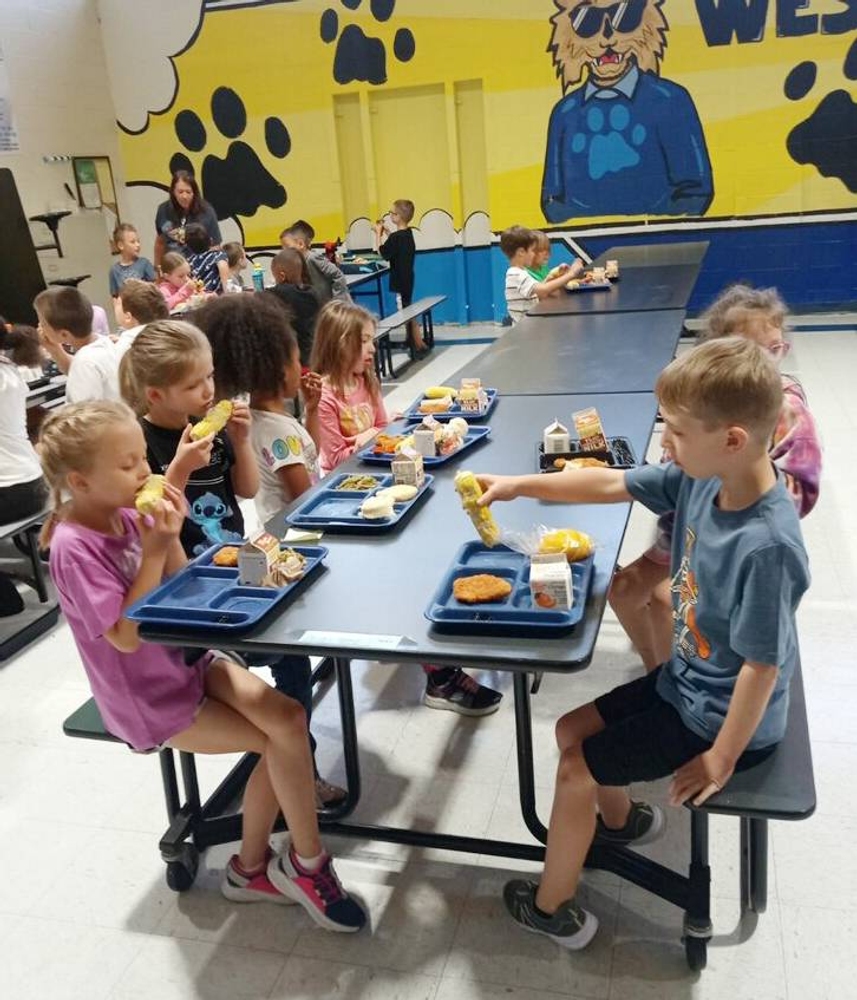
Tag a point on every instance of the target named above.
point(739, 570)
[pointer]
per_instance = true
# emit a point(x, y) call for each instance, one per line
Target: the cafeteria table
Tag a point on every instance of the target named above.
point(655, 254)
point(356, 281)
point(638, 289)
point(369, 601)
point(604, 353)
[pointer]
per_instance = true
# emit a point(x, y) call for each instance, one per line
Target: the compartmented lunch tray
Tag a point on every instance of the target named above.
point(203, 597)
point(333, 509)
point(475, 434)
point(514, 616)
point(413, 412)
point(589, 286)
point(619, 455)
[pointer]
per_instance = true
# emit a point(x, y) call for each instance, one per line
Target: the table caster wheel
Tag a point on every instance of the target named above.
point(181, 872)
point(696, 953)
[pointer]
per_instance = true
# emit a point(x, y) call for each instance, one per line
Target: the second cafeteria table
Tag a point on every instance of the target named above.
point(613, 352)
point(638, 289)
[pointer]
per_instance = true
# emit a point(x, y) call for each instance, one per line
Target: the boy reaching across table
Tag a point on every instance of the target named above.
point(720, 703)
point(522, 290)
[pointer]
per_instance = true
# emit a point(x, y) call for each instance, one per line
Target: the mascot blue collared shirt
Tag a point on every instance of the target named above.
point(635, 147)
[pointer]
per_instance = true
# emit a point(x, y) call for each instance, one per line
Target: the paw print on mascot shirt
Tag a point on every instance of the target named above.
point(610, 146)
point(358, 56)
point(828, 138)
point(239, 184)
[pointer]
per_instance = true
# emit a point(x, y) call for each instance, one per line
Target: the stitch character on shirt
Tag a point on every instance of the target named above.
point(209, 512)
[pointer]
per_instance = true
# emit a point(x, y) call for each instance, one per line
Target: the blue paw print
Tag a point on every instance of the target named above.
point(611, 147)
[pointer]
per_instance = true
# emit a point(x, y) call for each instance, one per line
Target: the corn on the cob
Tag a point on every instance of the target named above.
point(214, 421)
point(483, 520)
point(150, 494)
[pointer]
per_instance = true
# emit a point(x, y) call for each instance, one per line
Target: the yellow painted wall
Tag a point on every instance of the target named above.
point(274, 58)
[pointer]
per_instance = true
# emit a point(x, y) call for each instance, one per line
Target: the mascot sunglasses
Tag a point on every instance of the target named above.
point(587, 20)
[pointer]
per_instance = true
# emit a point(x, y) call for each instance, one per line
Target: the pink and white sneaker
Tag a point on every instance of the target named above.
point(319, 892)
point(243, 888)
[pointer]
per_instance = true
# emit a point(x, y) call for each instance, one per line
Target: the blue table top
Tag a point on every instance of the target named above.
point(612, 352)
point(371, 600)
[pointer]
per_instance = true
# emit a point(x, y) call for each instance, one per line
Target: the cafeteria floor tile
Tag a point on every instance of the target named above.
point(85, 912)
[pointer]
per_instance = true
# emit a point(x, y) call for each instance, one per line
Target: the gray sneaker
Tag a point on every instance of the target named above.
point(645, 823)
point(570, 927)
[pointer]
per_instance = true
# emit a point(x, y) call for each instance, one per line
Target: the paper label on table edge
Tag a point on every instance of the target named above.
point(351, 640)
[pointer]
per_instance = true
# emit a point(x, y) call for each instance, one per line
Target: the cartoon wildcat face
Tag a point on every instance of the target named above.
point(605, 37)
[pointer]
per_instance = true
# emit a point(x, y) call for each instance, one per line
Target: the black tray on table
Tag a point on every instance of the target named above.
point(619, 455)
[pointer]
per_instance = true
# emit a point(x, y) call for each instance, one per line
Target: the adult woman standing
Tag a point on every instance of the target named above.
point(185, 204)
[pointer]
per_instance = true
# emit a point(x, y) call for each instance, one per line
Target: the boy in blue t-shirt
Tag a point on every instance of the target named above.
point(126, 239)
point(739, 570)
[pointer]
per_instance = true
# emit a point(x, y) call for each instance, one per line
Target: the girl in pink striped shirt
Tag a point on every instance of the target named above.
point(351, 410)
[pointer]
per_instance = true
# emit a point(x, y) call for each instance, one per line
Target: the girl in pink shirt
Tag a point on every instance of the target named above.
point(104, 557)
point(175, 284)
point(351, 411)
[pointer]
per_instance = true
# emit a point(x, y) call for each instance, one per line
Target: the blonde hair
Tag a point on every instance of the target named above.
point(725, 381)
point(404, 208)
point(172, 261)
point(69, 441)
point(338, 344)
point(160, 356)
point(541, 241)
point(740, 308)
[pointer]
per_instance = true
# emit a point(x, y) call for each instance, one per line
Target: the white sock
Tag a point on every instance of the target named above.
point(310, 864)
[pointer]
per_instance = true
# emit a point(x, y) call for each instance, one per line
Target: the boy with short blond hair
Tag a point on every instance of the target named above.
point(130, 264)
point(398, 248)
point(522, 290)
point(720, 703)
point(65, 319)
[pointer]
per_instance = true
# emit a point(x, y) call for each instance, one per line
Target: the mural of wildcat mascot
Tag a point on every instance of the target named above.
point(626, 141)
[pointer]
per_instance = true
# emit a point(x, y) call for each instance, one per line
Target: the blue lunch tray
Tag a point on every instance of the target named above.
point(516, 615)
point(414, 416)
point(338, 510)
point(206, 597)
point(475, 434)
point(589, 286)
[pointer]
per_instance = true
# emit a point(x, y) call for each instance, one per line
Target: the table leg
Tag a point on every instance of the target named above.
point(351, 753)
point(32, 543)
point(524, 744)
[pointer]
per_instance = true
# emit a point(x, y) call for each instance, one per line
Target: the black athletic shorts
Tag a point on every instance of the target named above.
point(644, 737)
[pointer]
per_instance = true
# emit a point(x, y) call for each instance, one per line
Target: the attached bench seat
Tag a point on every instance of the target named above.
point(781, 787)
point(24, 532)
point(421, 309)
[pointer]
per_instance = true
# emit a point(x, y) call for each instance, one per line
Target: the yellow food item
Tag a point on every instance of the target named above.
point(214, 421)
point(439, 391)
point(150, 495)
point(470, 491)
point(433, 404)
point(576, 545)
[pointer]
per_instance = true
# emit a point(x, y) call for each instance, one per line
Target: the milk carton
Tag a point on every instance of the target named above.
point(587, 423)
point(407, 468)
point(424, 442)
point(555, 439)
point(550, 582)
point(256, 557)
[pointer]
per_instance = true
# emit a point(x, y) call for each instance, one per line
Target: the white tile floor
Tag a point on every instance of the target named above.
point(85, 912)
